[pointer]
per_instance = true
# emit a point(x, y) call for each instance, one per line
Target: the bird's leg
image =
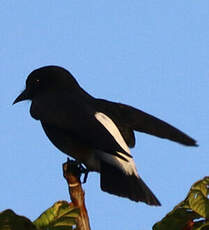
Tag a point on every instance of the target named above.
point(85, 171)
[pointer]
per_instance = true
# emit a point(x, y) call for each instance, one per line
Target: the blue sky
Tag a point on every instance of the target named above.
point(153, 55)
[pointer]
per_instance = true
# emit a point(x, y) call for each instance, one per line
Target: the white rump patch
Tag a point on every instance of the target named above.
point(128, 166)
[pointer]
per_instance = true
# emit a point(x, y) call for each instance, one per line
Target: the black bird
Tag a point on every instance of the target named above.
point(96, 132)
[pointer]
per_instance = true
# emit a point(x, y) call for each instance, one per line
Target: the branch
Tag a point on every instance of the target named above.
point(72, 174)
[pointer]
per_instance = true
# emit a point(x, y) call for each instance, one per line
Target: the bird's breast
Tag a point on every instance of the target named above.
point(71, 145)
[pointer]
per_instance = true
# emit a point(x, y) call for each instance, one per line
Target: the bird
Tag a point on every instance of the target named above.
point(95, 132)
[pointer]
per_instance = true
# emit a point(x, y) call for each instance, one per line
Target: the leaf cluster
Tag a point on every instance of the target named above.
point(58, 217)
point(190, 214)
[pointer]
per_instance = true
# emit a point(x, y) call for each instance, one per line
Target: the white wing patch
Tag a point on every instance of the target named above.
point(129, 165)
point(112, 129)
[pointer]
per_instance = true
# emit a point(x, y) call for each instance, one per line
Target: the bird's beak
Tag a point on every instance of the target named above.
point(23, 96)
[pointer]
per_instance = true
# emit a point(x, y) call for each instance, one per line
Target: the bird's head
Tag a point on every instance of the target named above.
point(47, 78)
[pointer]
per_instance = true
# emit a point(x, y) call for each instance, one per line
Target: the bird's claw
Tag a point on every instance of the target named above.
point(82, 169)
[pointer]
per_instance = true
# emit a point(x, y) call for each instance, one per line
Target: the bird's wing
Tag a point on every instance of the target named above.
point(143, 122)
point(84, 123)
point(112, 110)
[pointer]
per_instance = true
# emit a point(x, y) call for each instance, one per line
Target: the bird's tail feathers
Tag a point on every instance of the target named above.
point(118, 182)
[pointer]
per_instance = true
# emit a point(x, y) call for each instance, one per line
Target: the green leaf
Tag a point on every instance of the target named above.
point(202, 225)
point(58, 217)
point(11, 221)
point(175, 220)
point(193, 210)
point(197, 197)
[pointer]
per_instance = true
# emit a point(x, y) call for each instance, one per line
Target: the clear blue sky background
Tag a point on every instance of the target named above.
point(153, 55)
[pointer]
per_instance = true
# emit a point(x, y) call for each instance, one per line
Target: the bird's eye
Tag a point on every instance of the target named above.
point(37, 82)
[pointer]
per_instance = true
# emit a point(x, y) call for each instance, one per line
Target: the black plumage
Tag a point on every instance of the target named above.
point(94, 131)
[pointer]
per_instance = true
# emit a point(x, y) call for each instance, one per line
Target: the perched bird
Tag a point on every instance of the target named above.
point(96, 132)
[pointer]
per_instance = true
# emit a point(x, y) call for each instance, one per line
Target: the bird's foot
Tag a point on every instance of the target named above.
point(82, 169)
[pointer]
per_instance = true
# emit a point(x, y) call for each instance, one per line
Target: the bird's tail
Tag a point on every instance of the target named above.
point(118, 182)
